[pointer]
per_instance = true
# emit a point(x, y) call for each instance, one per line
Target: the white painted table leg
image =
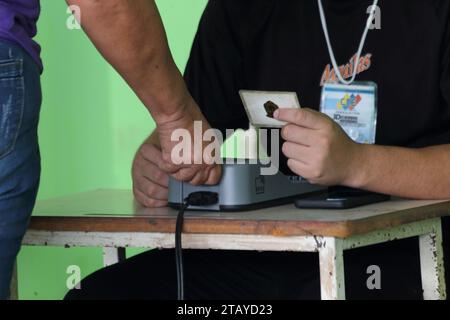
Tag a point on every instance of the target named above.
point(14, 288)
point(331, 259)
point(112, 255)
point(432, 264)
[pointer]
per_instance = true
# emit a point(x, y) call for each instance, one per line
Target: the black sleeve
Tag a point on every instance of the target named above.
point(443, 132)
point(445, 65)
point(440, 131)
point(214, 70)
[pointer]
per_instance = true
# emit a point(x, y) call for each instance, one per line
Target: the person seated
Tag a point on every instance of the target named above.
point(275, 45)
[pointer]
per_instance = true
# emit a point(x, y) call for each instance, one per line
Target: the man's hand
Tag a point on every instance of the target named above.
point(317, 147)
point(207, 171)
point(116, 27)
point(150, 183)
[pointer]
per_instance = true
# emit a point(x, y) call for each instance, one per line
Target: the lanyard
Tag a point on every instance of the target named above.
point(361, 45)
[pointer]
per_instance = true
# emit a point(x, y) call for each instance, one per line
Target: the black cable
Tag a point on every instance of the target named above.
point(179, 251)
point(198, 199)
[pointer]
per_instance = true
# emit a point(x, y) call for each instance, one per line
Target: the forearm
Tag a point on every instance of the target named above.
point(410, 173)
point(131, 37)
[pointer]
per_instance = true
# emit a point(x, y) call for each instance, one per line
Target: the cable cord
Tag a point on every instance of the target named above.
point(361, 45)
point(179, 251)
point(198, 199)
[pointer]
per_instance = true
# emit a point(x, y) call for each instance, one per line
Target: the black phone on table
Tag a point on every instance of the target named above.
point(340, 198)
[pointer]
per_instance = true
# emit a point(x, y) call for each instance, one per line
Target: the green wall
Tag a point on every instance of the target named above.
point(91, 125)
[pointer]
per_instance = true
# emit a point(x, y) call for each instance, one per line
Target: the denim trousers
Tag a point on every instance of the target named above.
point(20, 101)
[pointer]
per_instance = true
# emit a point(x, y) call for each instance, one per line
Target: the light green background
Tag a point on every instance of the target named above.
point(91, 125)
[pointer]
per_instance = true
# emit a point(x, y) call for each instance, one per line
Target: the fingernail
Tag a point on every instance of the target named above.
point(276, 114)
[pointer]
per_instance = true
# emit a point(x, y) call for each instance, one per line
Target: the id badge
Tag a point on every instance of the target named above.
point(353, 107)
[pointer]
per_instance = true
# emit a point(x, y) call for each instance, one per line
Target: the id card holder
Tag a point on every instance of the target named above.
point(353, 107)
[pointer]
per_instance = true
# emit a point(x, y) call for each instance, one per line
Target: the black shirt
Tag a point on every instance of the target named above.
point(279, 45)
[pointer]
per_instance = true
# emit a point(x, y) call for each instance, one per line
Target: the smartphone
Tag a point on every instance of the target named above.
point(340, 198)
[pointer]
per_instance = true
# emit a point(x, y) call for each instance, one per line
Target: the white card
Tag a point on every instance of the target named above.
point(254, 102)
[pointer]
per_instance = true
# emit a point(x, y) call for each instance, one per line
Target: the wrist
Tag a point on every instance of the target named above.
point(175, 111)
point(165, 93)
point(358, 167)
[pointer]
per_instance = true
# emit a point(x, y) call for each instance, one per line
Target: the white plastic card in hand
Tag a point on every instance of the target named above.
point(254, 102)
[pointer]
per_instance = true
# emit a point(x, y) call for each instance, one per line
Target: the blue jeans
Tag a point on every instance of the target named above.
point(20, 100)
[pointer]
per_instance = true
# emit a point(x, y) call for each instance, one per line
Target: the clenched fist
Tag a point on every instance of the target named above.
point(198, 170)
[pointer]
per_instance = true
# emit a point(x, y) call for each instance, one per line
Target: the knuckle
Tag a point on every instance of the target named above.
point(214, 176)
point(300, 116)
point(159, 175)
point(177, 176)
point(185, 175)
point(151, 190)
point(151, 203)
point(290, 164)
point(285, 148)
point(142, 151)
point(166, 158)
point(197, 182)
point(324, 141)
point(168, 167)
point(138, 161)
point(290, 131)
point(317, 173)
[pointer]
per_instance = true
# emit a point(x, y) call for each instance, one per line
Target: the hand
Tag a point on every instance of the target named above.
point(150, 183)
point(205, 173)
point(318, 149)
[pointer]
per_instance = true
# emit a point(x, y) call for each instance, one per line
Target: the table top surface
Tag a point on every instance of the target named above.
point(117, 211)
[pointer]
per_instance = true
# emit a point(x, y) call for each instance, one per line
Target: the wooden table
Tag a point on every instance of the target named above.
point(112, 220)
